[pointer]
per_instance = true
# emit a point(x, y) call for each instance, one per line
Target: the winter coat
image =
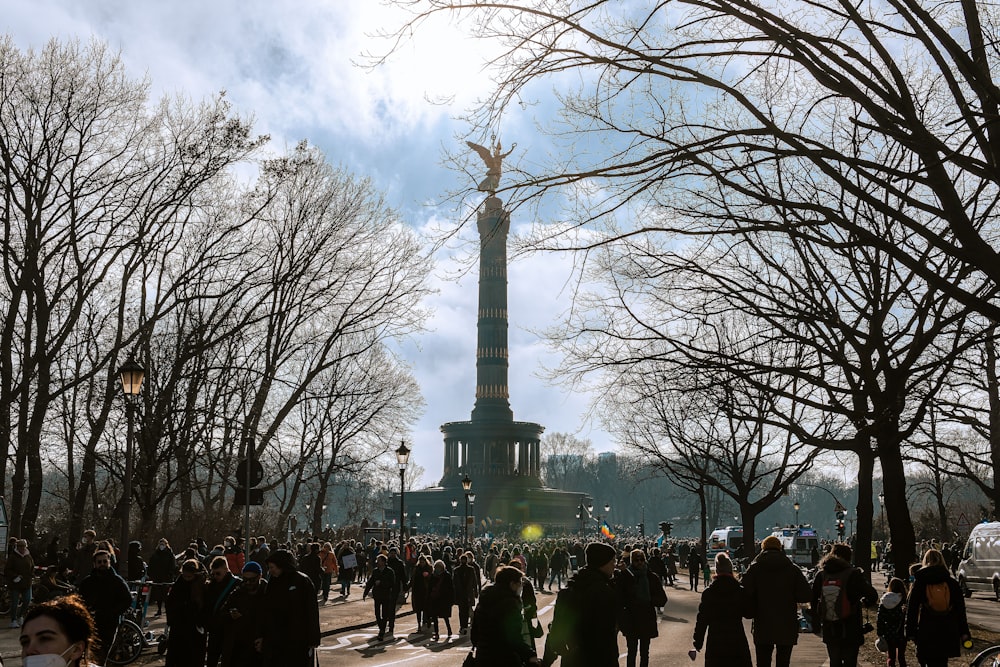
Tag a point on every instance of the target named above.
point(938, 636)
point(312, 566)
point(19, 570)
point(638, 603)
point(162, 566)
point(290, 626)
point(107, 596)
point(243, 612)
point(848, 631)
point(891, 620)
point(420, 587)
point(720, 615)
point(186, 642)
point(399, 568)
point(593, 636)
point(466, 580)
point(442, 594)
point(773, 587)
point(496, 630)
point(382, 584)
point(235, 559)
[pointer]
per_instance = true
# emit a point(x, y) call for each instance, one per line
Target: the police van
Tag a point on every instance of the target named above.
point(726, 539)
point(980, 566)
point(798, 543)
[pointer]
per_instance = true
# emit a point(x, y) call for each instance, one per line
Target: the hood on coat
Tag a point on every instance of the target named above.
point(833, 564)
point(932, 574)
point(891, 600)
point(771, 559)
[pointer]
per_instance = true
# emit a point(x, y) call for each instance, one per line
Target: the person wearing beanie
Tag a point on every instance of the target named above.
point(773, 588)
point(584, 628)
point(641, 592)
point(221, 583)
point(289, 632)
point(720, 616)
point(242, 616)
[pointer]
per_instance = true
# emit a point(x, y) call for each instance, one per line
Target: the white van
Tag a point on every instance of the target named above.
point(798, 543)
point(980, 566)
point(726, 539)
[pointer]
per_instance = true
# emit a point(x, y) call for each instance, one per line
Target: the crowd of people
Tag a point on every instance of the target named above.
point(249, 604)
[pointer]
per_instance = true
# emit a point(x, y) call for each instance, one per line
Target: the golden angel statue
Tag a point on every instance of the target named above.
point(494, 164)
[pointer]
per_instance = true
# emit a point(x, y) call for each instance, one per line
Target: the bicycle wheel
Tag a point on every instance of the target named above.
point(988, 658)
point(127, 644)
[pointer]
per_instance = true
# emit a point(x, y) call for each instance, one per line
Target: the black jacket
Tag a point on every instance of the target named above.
point(720, 615)
point(938, 636)
point(636, 616)
point(496, 630)
point(382, 584)
point(593, 640)
point(106, 595)
point(291, 617)
point(773, 586)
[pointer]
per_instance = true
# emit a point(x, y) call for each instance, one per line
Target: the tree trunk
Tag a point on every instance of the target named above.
point(901, 531)
point(864, 511)
point(993, 391)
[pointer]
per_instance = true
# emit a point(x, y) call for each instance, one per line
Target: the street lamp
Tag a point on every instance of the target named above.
point(796, 506)
point(402, 457)
point(466, 485)
point(131, 375)
point(472, 511)
point(454, 506)
point(416, 521)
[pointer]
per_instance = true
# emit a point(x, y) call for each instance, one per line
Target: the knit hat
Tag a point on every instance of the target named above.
point(770, 542)
point(283, 558)
point(253, 566)
point(722, 563)
point(599, 554)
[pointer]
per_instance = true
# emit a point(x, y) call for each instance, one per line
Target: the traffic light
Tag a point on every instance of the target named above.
point(642, 530)
point(840, 529)
point(666, 527)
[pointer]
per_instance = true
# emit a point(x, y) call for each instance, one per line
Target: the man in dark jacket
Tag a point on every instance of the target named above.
point(640, 592)
point(844, 636)
point(773, 587)
point(466, 579)
point(221, 584)
point(243, 612)
point(290, 629)
point(584, 628)
point(402, 583)
point(382, 587)
point(694, 564)
point(107, 596)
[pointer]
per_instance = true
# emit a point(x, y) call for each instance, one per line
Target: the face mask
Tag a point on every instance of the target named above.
point(162, 547)
point(46, 660)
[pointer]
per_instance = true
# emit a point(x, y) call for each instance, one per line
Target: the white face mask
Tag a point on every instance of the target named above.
point(46, 660)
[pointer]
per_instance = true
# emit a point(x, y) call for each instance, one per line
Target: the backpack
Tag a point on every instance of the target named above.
point(565, 618)
point(833, 596)
point(938, 597)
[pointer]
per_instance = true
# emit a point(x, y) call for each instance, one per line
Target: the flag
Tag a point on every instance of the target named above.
point(606, 530)
point(659, 540)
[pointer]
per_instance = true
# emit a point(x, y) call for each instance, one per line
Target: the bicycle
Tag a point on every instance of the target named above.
point(988, 658)
point(130, 640)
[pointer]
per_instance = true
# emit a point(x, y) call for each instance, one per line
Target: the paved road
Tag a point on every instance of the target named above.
point(349, 635)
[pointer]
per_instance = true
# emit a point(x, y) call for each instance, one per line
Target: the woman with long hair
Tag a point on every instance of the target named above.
point(61, 627)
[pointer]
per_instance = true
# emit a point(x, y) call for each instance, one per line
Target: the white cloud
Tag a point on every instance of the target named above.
point(292, 66)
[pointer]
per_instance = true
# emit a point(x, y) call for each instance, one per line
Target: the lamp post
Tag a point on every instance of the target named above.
point(580, 515)
point(472, 511)
point(454, 508)
point(607, 510)
point(416, 521)
point(402, 458)
point(131, 375)
point(466, 485)
point(796, 506)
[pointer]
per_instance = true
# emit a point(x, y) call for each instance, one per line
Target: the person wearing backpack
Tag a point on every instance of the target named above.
point(773, 588)
point(891, 622)
point(584, 630)
point(839, 591)
point(497, 623)
point(935, 613)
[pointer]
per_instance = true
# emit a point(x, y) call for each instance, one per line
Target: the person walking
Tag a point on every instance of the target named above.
point(441, 598)
point(466, 580)
point(839, 591)
point(328, 561)
point(694, 563)
point(243, 612)
point(107, 596)
point(584, 623)
point(289, 632)
point(184, 605)
point(935, 613)
point(420, 590)
point(720, 616)
point(381, 585)
point(497, 623)
point(222, 582)
point(162, 571)
point(773, 587)
point(641, 593)
point(891, 622)
point(18, 571)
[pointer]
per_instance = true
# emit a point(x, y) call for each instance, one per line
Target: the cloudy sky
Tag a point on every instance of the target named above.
point(293, 67)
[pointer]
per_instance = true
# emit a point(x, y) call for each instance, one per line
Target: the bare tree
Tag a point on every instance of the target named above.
point(563, 456)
